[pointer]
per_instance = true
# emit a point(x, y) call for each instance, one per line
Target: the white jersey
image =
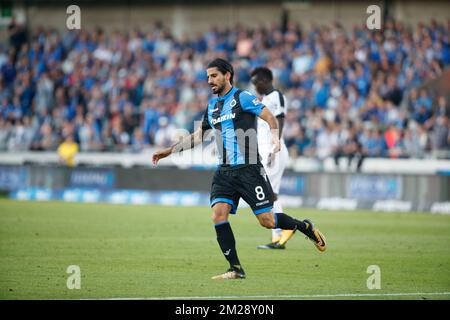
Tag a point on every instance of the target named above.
point(276, 102)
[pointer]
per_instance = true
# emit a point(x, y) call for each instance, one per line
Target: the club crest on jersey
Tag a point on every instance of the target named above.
point(233, 103)
point(224, 118)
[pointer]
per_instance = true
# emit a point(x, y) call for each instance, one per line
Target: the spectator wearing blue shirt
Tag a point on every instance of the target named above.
point(424, 100)
point(8, 71)
point(361, 61)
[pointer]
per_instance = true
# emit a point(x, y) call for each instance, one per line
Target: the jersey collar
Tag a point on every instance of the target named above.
point(229, 93)
point(269, 92)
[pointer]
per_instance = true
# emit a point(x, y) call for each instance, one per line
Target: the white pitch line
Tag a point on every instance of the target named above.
point(342, 295)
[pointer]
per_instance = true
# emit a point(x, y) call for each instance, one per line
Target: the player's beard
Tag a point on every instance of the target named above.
point(219, 89)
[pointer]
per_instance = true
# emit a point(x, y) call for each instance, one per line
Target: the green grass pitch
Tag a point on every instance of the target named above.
point(158, 252)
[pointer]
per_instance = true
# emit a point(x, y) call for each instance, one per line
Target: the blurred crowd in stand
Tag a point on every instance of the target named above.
point(351, 93)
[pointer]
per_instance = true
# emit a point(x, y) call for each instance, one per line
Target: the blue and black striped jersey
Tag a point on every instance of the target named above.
point(233, 120)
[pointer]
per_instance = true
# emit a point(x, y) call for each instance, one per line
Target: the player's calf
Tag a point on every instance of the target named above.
point(226, 240)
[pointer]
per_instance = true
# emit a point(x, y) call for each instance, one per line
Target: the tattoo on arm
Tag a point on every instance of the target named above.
point(188, 142)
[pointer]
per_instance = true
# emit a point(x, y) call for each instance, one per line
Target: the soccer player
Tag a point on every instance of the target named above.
point(274, 163)
point(232, 118)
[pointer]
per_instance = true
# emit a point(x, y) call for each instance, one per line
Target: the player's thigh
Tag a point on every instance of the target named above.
point(275, 174)
point(276, 170)
point(254, 187)
point(224, 198)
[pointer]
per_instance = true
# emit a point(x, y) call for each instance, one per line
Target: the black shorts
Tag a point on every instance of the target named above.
point(249, 182)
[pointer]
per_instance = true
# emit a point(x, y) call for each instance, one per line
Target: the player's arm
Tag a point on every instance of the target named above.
point(186, 143)
point(280, 119)
point(267, 116)
point(280, 105)
point(252, 105)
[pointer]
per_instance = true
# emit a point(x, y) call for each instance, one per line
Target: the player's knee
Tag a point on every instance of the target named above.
point(218, 218)
point(220, 212)
point(267, 222)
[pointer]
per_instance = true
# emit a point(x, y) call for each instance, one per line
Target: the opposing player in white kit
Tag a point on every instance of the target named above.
point(274, 163)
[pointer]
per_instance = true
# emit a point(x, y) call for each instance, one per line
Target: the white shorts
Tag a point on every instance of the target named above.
point(276, 170)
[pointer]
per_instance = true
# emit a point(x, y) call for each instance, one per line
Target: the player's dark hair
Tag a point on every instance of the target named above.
point(262, 72)
point(223, 66)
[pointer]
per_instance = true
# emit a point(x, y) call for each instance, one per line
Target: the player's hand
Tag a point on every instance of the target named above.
point(160, 154)
point(275, 143)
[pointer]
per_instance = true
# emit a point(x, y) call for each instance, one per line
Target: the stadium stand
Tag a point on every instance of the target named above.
point(128, 91)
